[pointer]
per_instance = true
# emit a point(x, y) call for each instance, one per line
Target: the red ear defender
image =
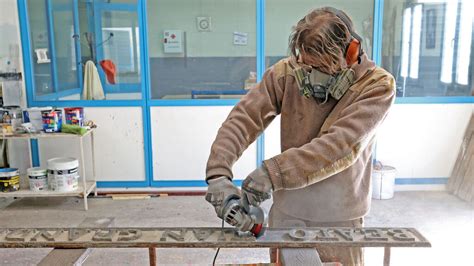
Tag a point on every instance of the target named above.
point(352, 52)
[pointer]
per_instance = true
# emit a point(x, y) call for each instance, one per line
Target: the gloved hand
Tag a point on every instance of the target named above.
point(258, 186)
point(219, 191)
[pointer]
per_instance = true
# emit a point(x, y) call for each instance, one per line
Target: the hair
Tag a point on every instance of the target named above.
point(321, 38)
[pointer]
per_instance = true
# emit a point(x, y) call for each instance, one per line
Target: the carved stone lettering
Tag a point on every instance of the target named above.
point(301, 234)
point(173, 235)
point(326, 235)
point(47, 235)
point(75, 233)
point(18, 235)
point(238, 236)
point(400, 235)
point(202, 234)
point(373, 235)
point(197, 237)
point(346, 233)
point(129, 235)
point(221, 237)
point(3, 232)
point(104, 235)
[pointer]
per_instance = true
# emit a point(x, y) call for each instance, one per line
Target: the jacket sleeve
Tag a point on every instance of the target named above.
point(245, 122)
point(337, 149)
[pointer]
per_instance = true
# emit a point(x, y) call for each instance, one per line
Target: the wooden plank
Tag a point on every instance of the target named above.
point(129, 196)
point(465, 191)
point(460, 182)
point(198, 237)
point(464, 165)
point(455, 180)
point(75, 257)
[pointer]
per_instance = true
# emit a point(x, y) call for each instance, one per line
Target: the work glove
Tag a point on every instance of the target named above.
point(258, 186)
point(219, 191)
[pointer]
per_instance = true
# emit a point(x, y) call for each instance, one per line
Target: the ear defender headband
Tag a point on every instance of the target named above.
point(354, 50)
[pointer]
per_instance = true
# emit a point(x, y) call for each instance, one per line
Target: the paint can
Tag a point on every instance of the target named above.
point(38, 178)
point(383, 182)
point(63, 174)
point(52, 120)
point(74, 116)
point(9, 179)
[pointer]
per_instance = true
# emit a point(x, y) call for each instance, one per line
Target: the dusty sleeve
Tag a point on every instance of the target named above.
point(245, 122)
point(337, 149)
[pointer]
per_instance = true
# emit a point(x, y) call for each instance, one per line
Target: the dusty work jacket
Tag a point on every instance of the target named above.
point(324, 170)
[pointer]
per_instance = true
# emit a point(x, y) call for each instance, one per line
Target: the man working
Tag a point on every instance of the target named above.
point(331, 99)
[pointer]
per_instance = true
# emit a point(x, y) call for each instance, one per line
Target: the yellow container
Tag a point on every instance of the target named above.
point(9, 179)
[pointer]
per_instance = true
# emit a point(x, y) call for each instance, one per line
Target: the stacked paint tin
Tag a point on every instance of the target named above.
point(63, 174)
point(74, 116)
point(52, 120)
point(9, 179)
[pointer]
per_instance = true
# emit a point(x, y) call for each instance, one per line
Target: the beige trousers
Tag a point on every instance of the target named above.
point(346, 256)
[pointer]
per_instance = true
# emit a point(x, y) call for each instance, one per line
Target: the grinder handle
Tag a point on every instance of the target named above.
point(244, 201)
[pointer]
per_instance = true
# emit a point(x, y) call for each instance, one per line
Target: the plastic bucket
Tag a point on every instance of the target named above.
point(383, 182)
point(38, 179)
point(63, 174)
point(9, 179)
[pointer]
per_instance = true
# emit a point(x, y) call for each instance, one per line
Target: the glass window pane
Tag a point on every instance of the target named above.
point(65, 50)
point(201, 49)
point(120, 37)
point(427, 46)
point(101, 31)
point(41, 55)
point(282, 15)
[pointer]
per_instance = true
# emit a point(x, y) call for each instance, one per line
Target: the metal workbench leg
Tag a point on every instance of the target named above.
point(83, 166)
point(93, 163)
point(152, 255)
point(386, 256)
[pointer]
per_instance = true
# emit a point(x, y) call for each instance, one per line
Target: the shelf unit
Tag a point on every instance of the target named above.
point(86, 186)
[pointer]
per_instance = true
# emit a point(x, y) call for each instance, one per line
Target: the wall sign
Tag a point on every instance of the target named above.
point(173, 41)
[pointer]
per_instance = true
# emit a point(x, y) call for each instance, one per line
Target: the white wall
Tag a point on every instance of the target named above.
point(118, 144)
point(420, 140)
point(182, 138)
point(423, 140)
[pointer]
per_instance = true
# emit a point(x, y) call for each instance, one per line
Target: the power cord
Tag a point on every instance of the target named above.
point(218, 249)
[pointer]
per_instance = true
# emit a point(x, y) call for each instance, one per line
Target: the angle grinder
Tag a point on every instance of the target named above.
point(246, 218)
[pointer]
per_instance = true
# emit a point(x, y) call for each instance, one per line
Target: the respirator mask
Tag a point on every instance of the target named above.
point(320, 85)
point(314, 83)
